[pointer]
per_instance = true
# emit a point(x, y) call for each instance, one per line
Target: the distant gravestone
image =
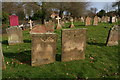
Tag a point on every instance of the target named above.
point(73, 44)
point(30, 22)
point(88, 21)
point(15, 35)
point(96, 20)
point(103, 18)
point(99, 19)
point(113, 19)
point(14, 20)
point(49, 26)
point(43, 48)
point(113, 36)
point(2, 64)
point(72, 25)
point(82, 19)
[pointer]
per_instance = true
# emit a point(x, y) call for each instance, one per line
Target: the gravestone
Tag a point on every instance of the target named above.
point(95, 21)
point(103, 18)
point(88, 21)
point(2, 63)
point(14, 20)
point(15, 35)
point(58, 24)
point(82, 19)
point(113, 19)
point(49, 26)
point(72, 25)
point(39, 29)
point(30, 22)
point(113, 36)
point(99, 19)
point(43, 48)
point(73, 44)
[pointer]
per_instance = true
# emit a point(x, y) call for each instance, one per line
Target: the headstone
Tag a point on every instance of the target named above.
point(43, 48)
point(103, 18)
point(13, 20)
point(108, 19)
point(95, 21)
point(49, 26)
point(82, 19)
point(113, 36)
point(2, 63)
point(58, 25)
point(73, 44)
point(88, 21)
point(72, 25)
point(39, 29)
point(30, 22)
point(113, 19)
point(99, 19)
point(15, 35)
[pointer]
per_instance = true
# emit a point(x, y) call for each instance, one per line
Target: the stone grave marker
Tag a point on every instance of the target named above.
point(82, 19)
point(113, 19)
point(103, 18)
point(15, 35)
point(39, 29)
point(88, 21)
point(99, 19)
point(72, 25)
point(43, 48)
point(96, 20)
point(30, 22)
point(2, 63)
point(73, 44)
point(58, 24)
point(113, 36)
point(49, 26)
point(13, 20)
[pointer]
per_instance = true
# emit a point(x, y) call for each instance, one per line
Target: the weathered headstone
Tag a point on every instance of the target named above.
point(30, 22)
point(14, 20)
point(82, 19)
point(49, 26)
point(2, 63)
point(58, 25)
point(39, 29)
point(113, 36)
point(43, 48)
point(103, 18)
point(72, 25)
point(15, 35)
point(113, 19)
point(73, 44)
point(88, 21)
point(99, 19)
point(95, 21)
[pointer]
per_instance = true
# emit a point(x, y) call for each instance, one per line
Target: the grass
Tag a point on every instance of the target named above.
point(104, 65)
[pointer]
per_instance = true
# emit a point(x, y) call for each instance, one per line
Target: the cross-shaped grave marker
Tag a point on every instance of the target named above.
point(58, 25)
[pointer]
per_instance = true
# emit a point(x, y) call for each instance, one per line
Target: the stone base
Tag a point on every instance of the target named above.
point(59, 26)
point(72, 25)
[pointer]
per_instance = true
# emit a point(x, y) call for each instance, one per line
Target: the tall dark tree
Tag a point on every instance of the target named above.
point(117, 4)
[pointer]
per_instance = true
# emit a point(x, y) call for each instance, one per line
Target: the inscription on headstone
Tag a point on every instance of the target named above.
point(73, 44)
point(43, 48)
point(15, 35)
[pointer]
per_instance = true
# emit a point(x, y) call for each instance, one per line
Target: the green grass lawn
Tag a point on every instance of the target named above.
point(103, 65)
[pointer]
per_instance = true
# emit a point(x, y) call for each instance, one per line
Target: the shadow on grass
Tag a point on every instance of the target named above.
point(58, 57)
point(5, 42)
point(98, 44)
point(24, 57)
point(27, 41)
